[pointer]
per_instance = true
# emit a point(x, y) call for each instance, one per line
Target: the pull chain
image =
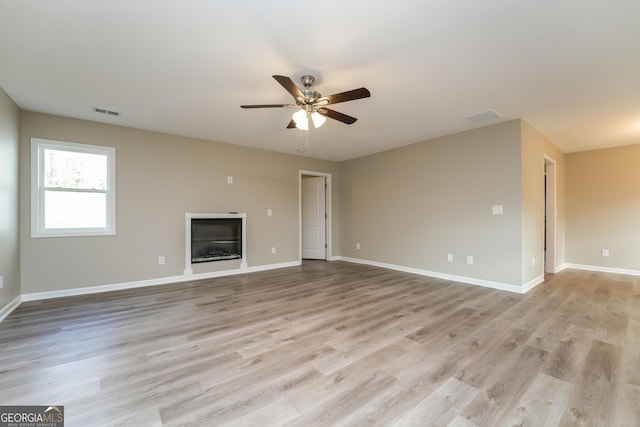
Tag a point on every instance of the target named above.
point(307, 147)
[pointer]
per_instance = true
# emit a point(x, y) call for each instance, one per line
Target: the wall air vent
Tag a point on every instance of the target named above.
point(107, 112)
point(483, 116)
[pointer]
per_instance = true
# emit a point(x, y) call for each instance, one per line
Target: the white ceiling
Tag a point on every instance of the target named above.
point(570, 68)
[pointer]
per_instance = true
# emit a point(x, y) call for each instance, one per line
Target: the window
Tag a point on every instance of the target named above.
point(72, 189)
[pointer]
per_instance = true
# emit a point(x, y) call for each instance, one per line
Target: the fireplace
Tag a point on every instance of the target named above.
point(215, 237)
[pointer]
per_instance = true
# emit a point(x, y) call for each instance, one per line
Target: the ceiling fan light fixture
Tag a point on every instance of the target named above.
point(301, 119)
point(318, 119)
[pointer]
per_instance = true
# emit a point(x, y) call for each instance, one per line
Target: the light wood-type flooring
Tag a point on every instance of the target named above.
point(332, 343)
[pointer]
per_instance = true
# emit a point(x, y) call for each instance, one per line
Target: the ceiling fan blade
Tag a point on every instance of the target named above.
point(349, 95)
point(267, 106)
point(290, 86)
point(291, 125)
point(337, 115)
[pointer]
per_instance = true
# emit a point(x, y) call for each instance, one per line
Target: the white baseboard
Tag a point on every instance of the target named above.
point(4, 312)
point(274, 266)
point(600, 269)
point(7, 309)
point(468, 280)
point(560, 267)
point(35, 296)
point(532, 284)
point(152, 282)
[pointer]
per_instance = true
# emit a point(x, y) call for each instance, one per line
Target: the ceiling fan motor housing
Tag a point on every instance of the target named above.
point(307, 80)
point(310, 96)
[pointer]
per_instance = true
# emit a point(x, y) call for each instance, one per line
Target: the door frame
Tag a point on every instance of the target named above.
point(550, 209)
point(327, 206)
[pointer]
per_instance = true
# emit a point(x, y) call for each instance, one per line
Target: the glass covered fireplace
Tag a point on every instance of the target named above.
point(215, 237)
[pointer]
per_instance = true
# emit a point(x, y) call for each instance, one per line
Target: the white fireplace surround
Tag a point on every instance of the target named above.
point(188, 271)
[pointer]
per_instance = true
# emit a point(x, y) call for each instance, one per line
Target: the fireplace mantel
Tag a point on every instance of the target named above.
point(220, 248)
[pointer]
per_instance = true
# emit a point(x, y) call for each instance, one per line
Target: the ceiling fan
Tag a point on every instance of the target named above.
point(312, 105)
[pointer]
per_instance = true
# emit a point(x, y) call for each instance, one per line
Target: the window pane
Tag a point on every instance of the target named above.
point(64, 209)
point(69, 169)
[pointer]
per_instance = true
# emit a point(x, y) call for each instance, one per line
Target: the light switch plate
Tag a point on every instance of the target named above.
point(497, 209)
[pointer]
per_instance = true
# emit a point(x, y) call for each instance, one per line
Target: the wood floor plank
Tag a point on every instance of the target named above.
point(543, 404)
point(332, 343)
point(460, 421)
point(505, 387)
point(118, 406)
point(631, 354)
point(442, 406)
point(390, 406)
point(479, 372)
point(594, 397)
point(344, 404)
point(627, 410)
point(321, 390)
point(612, 327)
point(568, 354)
point(279, 412)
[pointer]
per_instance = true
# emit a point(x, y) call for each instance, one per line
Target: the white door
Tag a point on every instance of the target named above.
point(313, 218)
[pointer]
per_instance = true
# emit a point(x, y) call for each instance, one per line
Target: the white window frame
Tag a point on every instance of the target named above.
point(38, 228)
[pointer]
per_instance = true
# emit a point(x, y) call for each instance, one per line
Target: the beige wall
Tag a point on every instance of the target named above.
point(9, 214)
point(408, 207)
point(160, 177)
point(534, 149)
point(413, 205)
point(603, 207)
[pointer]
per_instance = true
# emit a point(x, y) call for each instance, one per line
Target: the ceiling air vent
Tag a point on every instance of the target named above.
point(107, 112)
point(483, 116)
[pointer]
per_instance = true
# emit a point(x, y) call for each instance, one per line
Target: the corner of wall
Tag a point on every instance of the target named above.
point(536, 150)
point(9, 204)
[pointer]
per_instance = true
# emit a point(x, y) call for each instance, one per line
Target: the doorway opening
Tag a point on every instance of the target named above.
point(314, 215)
point(549, 214)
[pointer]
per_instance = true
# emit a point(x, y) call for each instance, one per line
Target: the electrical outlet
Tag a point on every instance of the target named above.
point(229, 180)
point(449, 257)
point(533, 261)
point(1, 282)
point(605, 252)
point(469, 259)
point(161, 260)
point(358, 246)
point(273, 250)
point(269, 212)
